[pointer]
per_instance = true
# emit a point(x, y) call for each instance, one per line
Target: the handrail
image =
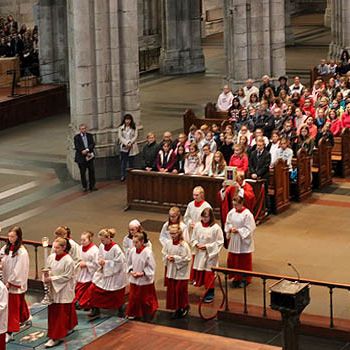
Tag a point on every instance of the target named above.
point(34, 244)
point(268, 276)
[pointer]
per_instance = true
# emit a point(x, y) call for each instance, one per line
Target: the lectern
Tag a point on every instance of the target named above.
point(290, 299)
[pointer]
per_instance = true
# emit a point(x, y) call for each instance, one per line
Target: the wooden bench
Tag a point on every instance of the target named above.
point(211, 112)
point(279, 187)
point(322, 165)
point(189, 119)
point(341, 153)
point(157, 192)
point(303, 187)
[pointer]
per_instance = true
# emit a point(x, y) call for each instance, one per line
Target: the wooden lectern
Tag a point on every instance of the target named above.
point(290, 299)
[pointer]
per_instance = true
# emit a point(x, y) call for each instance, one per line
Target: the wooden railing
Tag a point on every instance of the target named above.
point(34, 245)
point(331, 286)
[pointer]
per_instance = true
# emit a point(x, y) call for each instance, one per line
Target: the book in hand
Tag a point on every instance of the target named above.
point(89, 156)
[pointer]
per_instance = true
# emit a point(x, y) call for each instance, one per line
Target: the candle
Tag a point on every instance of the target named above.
point(45, 242)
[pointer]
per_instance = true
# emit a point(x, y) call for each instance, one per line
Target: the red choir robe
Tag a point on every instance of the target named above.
point(62, 316)
point(15, 273)
point(3, 315)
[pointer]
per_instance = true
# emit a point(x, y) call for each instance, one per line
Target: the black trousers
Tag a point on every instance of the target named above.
point(91, 171)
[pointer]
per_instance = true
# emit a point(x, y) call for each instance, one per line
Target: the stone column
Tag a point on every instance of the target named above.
point(104, 78)
point(254, 39)
point(290, 40)
point(51, 17)
point(181, 51)
point(328, 14)
point(340, 25)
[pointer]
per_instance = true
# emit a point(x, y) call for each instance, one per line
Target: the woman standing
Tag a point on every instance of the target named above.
point(107, 290)
point(62, 317)
point(15, 269)
point(127, 136)
point(239, 228)
point(88, 266)
point(207, 240)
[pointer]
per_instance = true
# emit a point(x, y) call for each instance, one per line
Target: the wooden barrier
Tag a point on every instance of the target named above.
point(155, 191)
point(279, 187)
point(189, 118)
point(322, 164)
point(341, 153)
point(211, 112)
point(302, 188)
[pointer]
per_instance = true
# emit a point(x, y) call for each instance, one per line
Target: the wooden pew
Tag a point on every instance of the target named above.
point(279, 187)
point(341, 153)
point(322, 165)
point(189, 118)
point(302, 188)
point(157, 192)
point(210, 112)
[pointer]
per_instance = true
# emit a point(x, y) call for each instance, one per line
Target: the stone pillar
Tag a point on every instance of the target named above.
point(181, 51)
point(51, 17)
point(104, 77)
point(290, 40)
point(254, 39)
point(340, 25)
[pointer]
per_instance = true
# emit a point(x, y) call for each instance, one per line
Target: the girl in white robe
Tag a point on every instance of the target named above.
point(207, 240)
point(62, 317)
point(177, 257)
point(174, 218)
point(88, 266)
point(107, 290)
point(239, 228)
point(74, 252)
point(128, 243)
point(143, 302)
point(3, 314)
point(15, 269)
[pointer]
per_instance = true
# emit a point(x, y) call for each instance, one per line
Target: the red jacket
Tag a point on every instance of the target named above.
point(345, 120)
point(336, 127)
point(241, 162)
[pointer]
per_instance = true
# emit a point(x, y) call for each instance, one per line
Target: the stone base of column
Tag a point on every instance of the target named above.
point(182, 62)
point(327, 17)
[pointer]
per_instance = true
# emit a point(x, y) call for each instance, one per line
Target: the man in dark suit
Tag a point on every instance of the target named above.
point(259, 166)
point(84, 155)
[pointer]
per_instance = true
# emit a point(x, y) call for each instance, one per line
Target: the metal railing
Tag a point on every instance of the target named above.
point(35, 245)
point(265, 277)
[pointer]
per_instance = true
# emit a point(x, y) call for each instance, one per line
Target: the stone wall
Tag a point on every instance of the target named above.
point(22, 10)
point(212, 17)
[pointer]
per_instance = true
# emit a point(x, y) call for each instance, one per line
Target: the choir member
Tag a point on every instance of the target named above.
point(207, 240)
point(4, 296)
point(107, 290)
point(246, 191)
point(177, 257)
point(143, 302)
point(239, 229)
point(65, 232)
point(174, 218)
point(62, 317)
point(128, 243)
point(88, 266)
point(15, 269)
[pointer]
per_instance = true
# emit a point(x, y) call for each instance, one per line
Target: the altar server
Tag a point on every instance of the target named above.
point(88, 266)
point(62, 317)
point(207, 241)
point(107, 290)
point(175, 217)
point(177, 257)
point(239, 228)
point(3, 315)
point(143, 301)
point(74, 251)
point(15, 268)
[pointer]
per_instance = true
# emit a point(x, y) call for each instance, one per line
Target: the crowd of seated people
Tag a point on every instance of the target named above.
point(22, 42)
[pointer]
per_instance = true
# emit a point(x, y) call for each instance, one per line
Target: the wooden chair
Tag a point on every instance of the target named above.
point(322, 164)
